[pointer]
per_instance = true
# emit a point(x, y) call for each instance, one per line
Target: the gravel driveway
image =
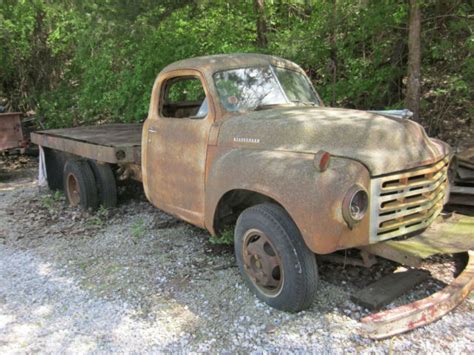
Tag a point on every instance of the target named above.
point(134, 279)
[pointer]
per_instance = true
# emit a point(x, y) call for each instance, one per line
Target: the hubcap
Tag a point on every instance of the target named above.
point(262, 264)
point(73, 190)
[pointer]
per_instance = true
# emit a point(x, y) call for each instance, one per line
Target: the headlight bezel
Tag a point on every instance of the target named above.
point(356, 194)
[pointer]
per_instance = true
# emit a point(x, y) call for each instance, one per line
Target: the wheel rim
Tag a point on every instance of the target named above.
point(73, 190)
point(262, 263)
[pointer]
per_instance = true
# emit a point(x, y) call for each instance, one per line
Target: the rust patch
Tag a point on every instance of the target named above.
point(11, 131)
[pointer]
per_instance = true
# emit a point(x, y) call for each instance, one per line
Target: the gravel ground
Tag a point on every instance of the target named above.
point(134, 279)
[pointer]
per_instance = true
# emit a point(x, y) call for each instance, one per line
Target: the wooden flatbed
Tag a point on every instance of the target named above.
point(111, 143)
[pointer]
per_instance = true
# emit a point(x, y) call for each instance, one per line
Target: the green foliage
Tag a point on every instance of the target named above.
point(226, 237)
point(51, 201)
point(138, 229)
point(100, 217)
point(188, 90)
point(84, 62)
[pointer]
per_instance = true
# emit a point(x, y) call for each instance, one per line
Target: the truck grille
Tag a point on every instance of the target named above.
point(407, 202)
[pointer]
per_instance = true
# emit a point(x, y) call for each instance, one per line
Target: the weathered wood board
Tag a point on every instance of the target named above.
point(388, 288)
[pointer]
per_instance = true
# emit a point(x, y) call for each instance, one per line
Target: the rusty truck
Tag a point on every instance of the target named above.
point(245, 140)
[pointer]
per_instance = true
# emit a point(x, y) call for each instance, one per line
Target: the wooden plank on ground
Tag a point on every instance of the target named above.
point(386, 289)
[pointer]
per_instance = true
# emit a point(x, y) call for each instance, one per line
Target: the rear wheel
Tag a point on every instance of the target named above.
point(273, 259)
point(79, 184)
point(106, 185)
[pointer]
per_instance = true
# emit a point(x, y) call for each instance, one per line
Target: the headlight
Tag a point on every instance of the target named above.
point(354, 205)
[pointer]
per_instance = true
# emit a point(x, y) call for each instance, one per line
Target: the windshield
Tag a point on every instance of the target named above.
point(248, 89)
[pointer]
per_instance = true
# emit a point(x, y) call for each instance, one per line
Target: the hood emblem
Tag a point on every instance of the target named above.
point(246, 140)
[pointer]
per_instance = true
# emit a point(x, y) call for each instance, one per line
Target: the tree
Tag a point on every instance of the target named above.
point(262, 40)
point(414, 59)
point(81, 62)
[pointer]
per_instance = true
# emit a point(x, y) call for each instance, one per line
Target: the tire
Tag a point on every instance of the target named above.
point(106, 184)
point(79, 184)
point(265, 232)
point(54, 169)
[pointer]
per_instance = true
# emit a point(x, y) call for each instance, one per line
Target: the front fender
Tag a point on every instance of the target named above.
point(312, 199)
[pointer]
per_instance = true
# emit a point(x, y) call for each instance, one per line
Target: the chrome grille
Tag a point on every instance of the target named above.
point(407, 202)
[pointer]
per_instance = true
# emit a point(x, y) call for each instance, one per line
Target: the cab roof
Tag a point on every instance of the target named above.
point(214, 63)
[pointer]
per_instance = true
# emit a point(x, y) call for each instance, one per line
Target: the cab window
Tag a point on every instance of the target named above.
point(184, 97)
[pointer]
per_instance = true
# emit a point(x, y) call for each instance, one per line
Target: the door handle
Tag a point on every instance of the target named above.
point(152, 130)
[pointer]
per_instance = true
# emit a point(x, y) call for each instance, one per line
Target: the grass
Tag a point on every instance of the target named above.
point(138, 229)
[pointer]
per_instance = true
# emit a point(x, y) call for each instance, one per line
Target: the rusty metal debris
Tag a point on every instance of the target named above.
point(462, 188)
point(422, 312)
point(11, 131)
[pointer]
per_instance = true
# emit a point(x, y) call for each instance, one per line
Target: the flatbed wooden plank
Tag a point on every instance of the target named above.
point(388, 288)
point(111, 135)
point(117, 143)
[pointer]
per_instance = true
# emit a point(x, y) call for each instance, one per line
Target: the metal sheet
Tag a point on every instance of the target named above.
point(11, 133)
point(405, 318)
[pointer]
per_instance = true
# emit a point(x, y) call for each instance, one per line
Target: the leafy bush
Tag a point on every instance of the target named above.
point(85, 62)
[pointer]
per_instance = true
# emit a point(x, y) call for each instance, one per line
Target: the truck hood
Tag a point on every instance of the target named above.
point(383, 144)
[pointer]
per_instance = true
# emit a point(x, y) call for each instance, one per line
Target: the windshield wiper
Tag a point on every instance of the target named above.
point(264, 106)
point(306, 103)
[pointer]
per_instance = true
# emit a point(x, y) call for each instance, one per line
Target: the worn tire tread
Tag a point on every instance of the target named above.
point(307, 283)
point(106, 184)
point(85, 177)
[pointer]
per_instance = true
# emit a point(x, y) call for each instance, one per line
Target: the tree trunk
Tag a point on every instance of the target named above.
point(262, 40)
point(333, 50)
point(412, 98)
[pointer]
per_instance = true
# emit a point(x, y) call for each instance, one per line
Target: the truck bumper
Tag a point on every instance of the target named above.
point(422, 312)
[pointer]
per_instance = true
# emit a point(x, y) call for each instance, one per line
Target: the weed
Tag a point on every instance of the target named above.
point(51, 201)
point(48, 202)
point(100, 217)
point(103, 212)
point(224, 238)
point(57, 196)
point(138, 229)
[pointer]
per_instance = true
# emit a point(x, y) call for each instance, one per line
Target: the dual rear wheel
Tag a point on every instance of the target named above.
point(86, 183)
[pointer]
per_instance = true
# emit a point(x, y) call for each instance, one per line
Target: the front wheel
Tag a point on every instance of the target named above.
point(273, 259)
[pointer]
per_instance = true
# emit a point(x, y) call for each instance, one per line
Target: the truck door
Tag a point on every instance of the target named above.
point(176, 147)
